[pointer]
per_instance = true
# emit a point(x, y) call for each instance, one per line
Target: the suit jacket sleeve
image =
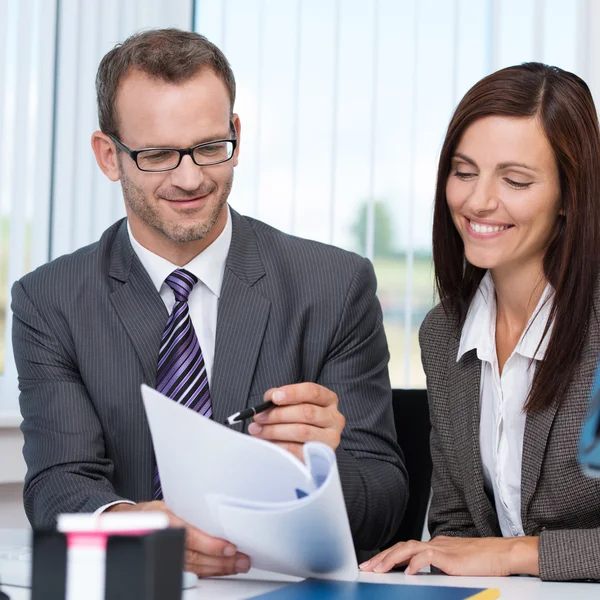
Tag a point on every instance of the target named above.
point(448, 512)
point(370, 463)
point(569, 554)
point(64, 443)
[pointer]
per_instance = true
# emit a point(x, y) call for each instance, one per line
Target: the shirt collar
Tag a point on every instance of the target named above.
point(479, 330)
point(208, 266)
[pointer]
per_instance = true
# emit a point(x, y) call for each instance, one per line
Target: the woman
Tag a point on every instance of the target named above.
point(511, 349)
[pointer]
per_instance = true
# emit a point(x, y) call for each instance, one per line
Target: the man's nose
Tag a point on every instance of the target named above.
point(188, 175)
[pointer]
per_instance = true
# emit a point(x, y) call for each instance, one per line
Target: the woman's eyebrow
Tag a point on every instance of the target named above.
point(465, 158)
point(500, 167)
point(508, 165)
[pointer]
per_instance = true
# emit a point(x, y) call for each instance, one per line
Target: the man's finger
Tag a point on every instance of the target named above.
point(294, 432)
point(199, 541)
point(212, 571)
point(195, 562)
point(299, 393)
point(196, 558)
point(312, 414)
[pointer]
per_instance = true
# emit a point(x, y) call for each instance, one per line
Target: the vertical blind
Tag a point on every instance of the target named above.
point(53, 197)
point(343, 104)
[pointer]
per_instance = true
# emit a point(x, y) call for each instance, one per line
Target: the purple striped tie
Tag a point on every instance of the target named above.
point(181, 373)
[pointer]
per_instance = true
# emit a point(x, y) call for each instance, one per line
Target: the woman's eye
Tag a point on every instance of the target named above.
point(463, 175)
point(516, 184)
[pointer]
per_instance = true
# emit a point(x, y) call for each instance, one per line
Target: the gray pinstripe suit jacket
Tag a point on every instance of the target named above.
point(558, 503)
point(86, 333)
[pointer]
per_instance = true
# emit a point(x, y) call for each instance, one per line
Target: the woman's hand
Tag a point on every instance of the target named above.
point(462, 556)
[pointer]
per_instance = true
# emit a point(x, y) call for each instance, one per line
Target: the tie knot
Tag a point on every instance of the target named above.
point(181, 282)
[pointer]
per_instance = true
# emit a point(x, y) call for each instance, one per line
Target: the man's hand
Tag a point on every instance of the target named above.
point(305, 412)
point(475, 557)
point(204, 555)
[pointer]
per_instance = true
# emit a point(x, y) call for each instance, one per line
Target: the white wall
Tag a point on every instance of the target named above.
point(12, 471)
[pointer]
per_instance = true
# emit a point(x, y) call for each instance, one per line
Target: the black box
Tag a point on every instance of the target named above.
point(138, 567)
point(145, 567)
point(49, 565)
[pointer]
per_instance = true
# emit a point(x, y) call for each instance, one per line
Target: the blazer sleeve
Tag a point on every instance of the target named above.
point(370, 462)
point(67, 470)
point(448, 512)
point(569, 554)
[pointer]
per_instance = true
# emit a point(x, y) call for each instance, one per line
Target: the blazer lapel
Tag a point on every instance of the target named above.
point(535, 438)
point(539, 423)
point(137, 304)
point(241, 323)
point(464, 379)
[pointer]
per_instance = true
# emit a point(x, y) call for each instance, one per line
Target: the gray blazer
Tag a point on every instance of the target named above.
point(558, 502)
point(86, 334)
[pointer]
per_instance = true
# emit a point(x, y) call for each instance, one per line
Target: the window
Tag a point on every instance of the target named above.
point(344, 106)
point(53, 198)
point(26, 106)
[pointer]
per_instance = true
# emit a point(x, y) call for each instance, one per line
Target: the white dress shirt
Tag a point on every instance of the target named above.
point(502, 397)
point(203, 301)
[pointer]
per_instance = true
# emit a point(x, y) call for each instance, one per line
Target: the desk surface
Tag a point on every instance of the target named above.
point(257, 582)
point(514, 588)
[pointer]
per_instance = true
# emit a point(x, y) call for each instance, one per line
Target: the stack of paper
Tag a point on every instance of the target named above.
point(287, 516)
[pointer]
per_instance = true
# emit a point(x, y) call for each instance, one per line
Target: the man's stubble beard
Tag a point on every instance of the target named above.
point(148, 213)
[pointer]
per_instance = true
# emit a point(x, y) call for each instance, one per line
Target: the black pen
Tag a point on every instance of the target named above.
point(248, 413)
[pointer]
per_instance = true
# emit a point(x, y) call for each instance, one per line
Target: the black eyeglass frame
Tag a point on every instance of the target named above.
point(133, 154)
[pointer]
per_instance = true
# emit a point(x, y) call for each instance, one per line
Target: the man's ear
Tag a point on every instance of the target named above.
point(106, 155)
point(235, 119)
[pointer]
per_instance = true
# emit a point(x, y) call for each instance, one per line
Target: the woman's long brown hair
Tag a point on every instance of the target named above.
point(564, 106)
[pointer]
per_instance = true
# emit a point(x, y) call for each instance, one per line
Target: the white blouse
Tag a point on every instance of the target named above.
point(502, 397)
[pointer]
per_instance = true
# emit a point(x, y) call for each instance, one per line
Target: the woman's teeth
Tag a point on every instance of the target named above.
point(487, 228)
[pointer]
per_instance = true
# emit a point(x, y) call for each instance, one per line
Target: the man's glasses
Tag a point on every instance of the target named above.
point(154, 160)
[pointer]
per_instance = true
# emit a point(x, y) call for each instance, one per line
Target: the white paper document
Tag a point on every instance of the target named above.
point(287, 516)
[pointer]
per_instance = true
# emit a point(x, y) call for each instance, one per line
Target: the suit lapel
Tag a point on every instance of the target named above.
point(539, 423)
point(535, 439)
point(241, 323)
point(137, 303)
point(464, 390)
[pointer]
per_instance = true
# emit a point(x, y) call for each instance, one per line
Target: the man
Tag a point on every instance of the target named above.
point(216, 310)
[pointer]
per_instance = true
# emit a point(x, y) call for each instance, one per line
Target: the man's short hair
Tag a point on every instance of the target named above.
point(172, 55)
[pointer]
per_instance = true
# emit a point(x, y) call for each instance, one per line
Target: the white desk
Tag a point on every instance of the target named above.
point(254, 583)
point(511, 587)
